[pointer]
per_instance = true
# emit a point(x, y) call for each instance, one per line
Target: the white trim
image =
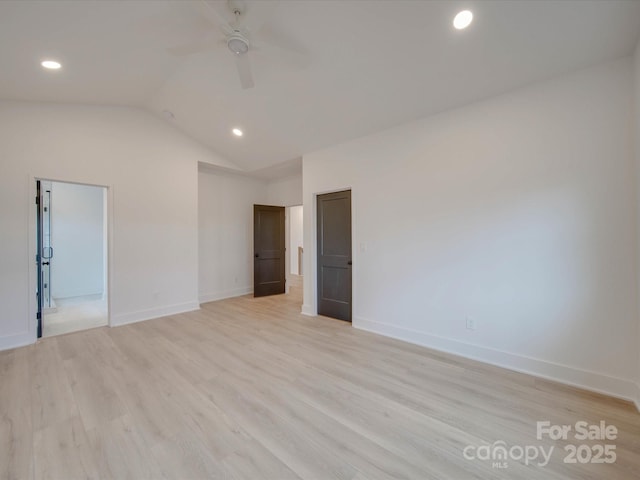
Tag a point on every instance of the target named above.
point(18, 340)
point(77, 293)
point(637, 400)
point(308, 311)
point(214, 297)
point(32, 278)
point(588, 380)
point(152, 313)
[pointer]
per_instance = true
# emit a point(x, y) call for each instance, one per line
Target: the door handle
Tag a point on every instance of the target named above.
point(257, 255)
point(349, 262)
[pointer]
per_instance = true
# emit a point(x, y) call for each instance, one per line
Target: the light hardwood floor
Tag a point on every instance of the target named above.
point(250, 389)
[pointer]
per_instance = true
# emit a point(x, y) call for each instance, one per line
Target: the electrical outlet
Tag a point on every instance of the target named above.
point(471, 323)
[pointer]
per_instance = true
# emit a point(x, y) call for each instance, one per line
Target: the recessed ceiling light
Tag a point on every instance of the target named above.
point(237, 132)
point(463, 19)
point(51, 64)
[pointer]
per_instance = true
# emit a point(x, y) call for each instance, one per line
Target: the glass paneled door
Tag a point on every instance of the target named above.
point(47, 248)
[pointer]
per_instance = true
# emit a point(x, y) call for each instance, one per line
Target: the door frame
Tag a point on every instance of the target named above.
point(310, 254)
point(287, 237)
point(287, 248)
point(32, 247)
point(39, 258)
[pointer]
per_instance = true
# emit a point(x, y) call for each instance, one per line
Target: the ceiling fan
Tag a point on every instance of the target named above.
point(238, 39)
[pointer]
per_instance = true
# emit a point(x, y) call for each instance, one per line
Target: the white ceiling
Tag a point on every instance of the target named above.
point(362, 66)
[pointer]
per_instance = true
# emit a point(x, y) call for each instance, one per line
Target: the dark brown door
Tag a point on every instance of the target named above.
point(268, 250)
point(334, 255)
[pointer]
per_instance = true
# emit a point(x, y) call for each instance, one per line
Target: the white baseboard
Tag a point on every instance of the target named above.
point(308, 311)
point(18, 340)
point(214, 297)
point(139, 316)
point(588, 380)
point(79, 294)
point(637, 400)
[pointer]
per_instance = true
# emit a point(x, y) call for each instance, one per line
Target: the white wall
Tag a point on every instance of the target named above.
point(296, 236)
point(518, 211)
point(151, 171)
point(285, 192)
point(77, 212)
point(225, 216)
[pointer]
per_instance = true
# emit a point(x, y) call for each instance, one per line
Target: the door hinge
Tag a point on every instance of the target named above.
point(37, 200)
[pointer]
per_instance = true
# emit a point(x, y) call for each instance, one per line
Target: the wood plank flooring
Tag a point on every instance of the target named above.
point(250, 389)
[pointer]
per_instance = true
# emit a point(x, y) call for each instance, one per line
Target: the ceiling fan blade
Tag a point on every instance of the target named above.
point(214, 17)
point(244, 70)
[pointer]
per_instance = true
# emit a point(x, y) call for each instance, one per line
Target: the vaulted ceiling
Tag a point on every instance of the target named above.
point(325, 71)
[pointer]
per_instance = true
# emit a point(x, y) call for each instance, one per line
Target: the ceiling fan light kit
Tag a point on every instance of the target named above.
point(237, 43)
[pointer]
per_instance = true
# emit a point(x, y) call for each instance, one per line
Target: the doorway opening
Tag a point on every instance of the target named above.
point(71, 257)
point(278, 251)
